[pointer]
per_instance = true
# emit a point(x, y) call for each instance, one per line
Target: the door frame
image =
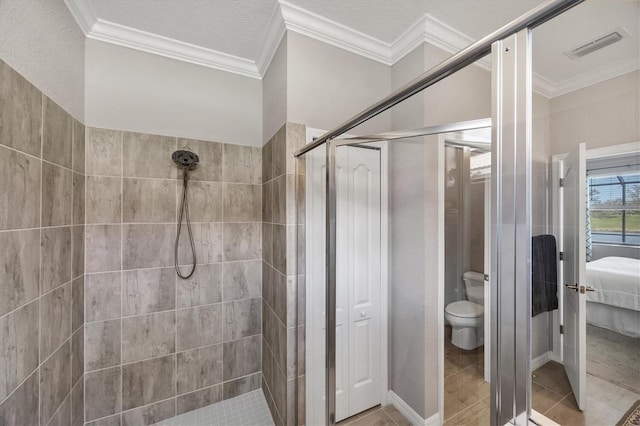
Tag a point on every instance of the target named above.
point(312, 133)
point(557, 171)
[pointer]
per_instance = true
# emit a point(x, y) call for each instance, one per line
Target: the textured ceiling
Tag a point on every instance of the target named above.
point(239, 27)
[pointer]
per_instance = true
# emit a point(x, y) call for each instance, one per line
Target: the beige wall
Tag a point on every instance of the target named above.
point(136, 91)
point(274, 93)
point(600, 115)
point(327, 85)
point(42, 41)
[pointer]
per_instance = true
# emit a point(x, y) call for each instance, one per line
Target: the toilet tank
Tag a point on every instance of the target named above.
point(474, 285)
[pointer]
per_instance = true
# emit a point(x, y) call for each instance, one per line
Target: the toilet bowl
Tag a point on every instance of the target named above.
point(466, 317)
point(467, 324)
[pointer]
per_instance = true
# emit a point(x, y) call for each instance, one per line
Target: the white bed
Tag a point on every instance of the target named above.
point(615, 304)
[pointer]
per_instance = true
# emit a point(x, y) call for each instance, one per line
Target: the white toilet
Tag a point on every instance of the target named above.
point(466, 317)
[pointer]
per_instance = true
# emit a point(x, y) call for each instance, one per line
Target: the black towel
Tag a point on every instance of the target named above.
point(544, 274)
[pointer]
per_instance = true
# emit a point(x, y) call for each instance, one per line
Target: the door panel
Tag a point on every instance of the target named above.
point(364, 278)
point(574, 271)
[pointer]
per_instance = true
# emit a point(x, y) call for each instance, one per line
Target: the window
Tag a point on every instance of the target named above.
point(615, 209)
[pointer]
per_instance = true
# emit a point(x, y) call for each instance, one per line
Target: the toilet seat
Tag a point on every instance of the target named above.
point(464, 309)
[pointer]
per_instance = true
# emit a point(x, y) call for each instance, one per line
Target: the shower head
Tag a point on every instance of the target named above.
point(186, 159)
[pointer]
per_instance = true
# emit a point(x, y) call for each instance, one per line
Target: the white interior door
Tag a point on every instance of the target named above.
point(358, 346)
point(358, 284)
point(574, 271)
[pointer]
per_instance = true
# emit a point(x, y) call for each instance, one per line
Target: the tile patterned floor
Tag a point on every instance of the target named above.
point(466, 394)
point(377, 416)
point(249, 409)
point(552, 396)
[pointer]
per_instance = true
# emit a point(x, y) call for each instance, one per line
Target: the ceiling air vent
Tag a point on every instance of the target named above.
point(597, 44)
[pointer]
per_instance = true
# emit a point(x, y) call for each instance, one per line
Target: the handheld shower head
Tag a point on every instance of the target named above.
point(186, 159)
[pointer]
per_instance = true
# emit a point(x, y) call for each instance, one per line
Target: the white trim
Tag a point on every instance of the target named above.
point(384, 270)
point(275, 34)
point(410, 414)
point(333, 33)
point(541, 360)
point(540, 419)
point(605, 151)
point(289, 17)
point(83, 13)
point(132, 38)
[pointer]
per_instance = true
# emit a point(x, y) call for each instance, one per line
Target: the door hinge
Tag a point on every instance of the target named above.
point(561, 329)
point(561, 182)
point(561, 255)
point(486, 277)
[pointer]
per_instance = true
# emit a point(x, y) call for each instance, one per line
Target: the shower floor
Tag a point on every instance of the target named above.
point(249, 409)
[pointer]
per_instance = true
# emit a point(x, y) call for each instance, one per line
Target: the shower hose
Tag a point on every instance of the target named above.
point(184, 211)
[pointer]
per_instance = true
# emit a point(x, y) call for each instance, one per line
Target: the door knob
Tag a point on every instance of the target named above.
point(589, 288)
point(574, 287)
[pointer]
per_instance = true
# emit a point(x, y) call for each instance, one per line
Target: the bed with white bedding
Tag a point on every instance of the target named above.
point(615, 303)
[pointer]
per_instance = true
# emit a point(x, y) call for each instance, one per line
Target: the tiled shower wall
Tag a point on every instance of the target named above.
point(280, 294)
point(157, 345)
point(41, 257)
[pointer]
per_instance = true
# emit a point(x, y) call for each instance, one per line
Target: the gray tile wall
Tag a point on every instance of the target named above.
point(41, 257)
point(156, 345)
point(280, 229)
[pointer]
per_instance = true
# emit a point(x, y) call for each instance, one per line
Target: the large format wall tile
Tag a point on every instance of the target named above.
point(242, 241)
point(57, 138)
point(103, 152)
point(107, 421)
point(148, 381)
point(77, 404)
point(242, 203)
point(78, 146)
point(103, 248)
point(102, 393)
point(148, 156)
point(79, 196)
point(199, 368)
point(19, 268)
point(198, 399)
point(203, 288)
point(77, 251)
point(149, 414)
point(242, 318)
point(148, 336)
point(104, 199)
point(102, 296)
point(199, 326)
point(148, 290)
point(55, 319)
point(210, 154)
point(62, 417)
point(77, 355)
point(101, 344)
point(205, 201)
point(20, 112)
point(77, 303)
point(207, 240)
point(18, 347)
point(19, 190)
point(267, 170)
point(149, 201)
point(241, 357)
point(22, 407)
point(148, 246)
point(55, 382)
point(56, 195)
point(242, 280)
point(56, 258)
point(242, 164)
point(240, 386)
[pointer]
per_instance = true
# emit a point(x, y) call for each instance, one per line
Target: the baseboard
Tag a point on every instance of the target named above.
point(541, 360)
point(410, 414)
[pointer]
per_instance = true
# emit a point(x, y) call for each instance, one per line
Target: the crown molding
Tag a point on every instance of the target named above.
point(83, 13)
point(122, 35)
point(596, 76)
point(318, 27)
point(289, 17)
point(275, 33)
